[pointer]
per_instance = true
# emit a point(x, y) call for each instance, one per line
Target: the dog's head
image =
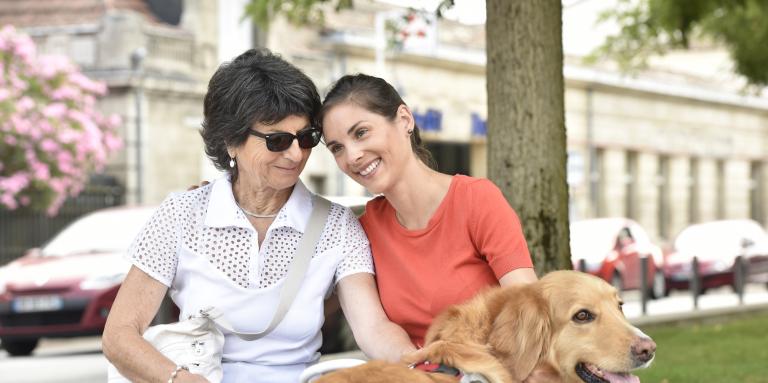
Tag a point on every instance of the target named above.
point(591, 340)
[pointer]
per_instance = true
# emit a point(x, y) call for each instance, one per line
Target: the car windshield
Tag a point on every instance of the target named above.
point(105, 231)
point(719, 238)
point(592, 239)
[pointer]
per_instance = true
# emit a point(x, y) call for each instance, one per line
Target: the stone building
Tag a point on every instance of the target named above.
point(676, 144)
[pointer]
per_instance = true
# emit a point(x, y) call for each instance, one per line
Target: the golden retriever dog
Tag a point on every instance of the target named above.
point(567, 327)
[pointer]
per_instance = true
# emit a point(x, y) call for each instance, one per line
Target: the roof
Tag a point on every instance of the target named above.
point(57, 13)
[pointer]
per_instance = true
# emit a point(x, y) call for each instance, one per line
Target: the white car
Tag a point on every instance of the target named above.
point(66, 289)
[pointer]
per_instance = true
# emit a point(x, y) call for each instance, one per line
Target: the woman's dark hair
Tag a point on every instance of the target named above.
point(376, 96)
point(256, 87)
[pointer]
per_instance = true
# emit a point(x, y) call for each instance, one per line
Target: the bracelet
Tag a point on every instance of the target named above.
point(176, 372)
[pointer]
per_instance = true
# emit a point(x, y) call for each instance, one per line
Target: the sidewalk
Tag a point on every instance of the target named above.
point(679, 306)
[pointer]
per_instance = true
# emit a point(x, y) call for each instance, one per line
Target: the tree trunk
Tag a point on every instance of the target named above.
point(526, 122)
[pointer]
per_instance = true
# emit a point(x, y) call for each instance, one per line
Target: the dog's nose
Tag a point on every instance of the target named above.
point(643, 350)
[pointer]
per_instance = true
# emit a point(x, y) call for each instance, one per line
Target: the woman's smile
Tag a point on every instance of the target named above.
point(370, 168)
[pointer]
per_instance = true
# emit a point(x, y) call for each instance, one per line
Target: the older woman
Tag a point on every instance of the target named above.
point(228, 244)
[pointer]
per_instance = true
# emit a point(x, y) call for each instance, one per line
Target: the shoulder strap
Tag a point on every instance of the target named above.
point(296, 271)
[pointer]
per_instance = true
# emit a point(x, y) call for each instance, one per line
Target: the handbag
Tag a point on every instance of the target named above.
point(197, 343)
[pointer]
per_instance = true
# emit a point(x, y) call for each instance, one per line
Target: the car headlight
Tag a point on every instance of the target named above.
point(102, 281)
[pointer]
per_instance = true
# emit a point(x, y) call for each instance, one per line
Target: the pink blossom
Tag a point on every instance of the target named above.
point(58, 185)
point(114, 121)
point(65, 93)
point(25, 104)
point(40, 171)
point(20, 125)
point(45, 127)
point(56, 205)
point(48, 114)
point(51, 66)
point(14, 183)
point(55, 110)
point(113, 142)
point(17, 84)
point(49, 145)
point(64, 158)
point(24, 47)
point(8, 200)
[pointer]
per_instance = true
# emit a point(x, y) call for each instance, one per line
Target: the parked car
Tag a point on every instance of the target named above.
point(67, 288)
point(612, 249)
point(716, 245)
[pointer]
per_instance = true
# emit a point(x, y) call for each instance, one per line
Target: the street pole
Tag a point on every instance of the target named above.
point(695, 283)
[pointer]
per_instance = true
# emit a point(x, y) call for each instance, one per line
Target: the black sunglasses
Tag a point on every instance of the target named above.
point(277, 142)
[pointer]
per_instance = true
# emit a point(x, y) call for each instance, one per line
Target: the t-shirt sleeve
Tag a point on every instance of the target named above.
point(496, 229)
point(155, 249)
point(356, 249)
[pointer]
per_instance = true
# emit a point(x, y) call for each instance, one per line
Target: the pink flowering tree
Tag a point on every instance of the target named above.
point(52, 135)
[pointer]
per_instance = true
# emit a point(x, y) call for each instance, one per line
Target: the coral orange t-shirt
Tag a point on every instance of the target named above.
point(473, 239)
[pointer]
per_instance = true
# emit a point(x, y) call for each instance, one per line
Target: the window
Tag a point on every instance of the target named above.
point(451, 157)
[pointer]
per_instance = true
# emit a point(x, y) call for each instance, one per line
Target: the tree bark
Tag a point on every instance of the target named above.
point(526, 122)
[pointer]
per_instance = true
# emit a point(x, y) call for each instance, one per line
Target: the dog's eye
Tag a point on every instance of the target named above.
point(583, 316)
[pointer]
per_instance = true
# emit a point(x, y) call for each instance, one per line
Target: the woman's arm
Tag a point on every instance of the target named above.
point(518, 276)
point(376, 335)
point(136, 304)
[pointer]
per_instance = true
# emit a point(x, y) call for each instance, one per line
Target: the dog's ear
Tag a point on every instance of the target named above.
point(521, 332)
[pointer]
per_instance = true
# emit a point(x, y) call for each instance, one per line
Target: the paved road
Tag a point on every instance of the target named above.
point(57, 360)
point(80, 360)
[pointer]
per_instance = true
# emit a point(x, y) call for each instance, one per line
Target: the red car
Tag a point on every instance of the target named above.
point(612, 249)
point(67, 288)
point(716, 245)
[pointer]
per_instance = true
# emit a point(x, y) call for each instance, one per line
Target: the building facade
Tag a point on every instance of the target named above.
point(669, 146)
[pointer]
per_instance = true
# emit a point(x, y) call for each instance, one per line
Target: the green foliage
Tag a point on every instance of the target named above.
point(301, 12)
point(734, 351)
point(306, 12)
point(652, 27)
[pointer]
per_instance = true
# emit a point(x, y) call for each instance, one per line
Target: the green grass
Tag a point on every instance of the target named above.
point(735, 351)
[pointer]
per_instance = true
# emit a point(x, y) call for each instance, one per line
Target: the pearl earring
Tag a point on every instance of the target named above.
point(232, 162)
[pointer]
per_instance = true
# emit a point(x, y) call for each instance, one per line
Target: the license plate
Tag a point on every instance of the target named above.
point(37, 303)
